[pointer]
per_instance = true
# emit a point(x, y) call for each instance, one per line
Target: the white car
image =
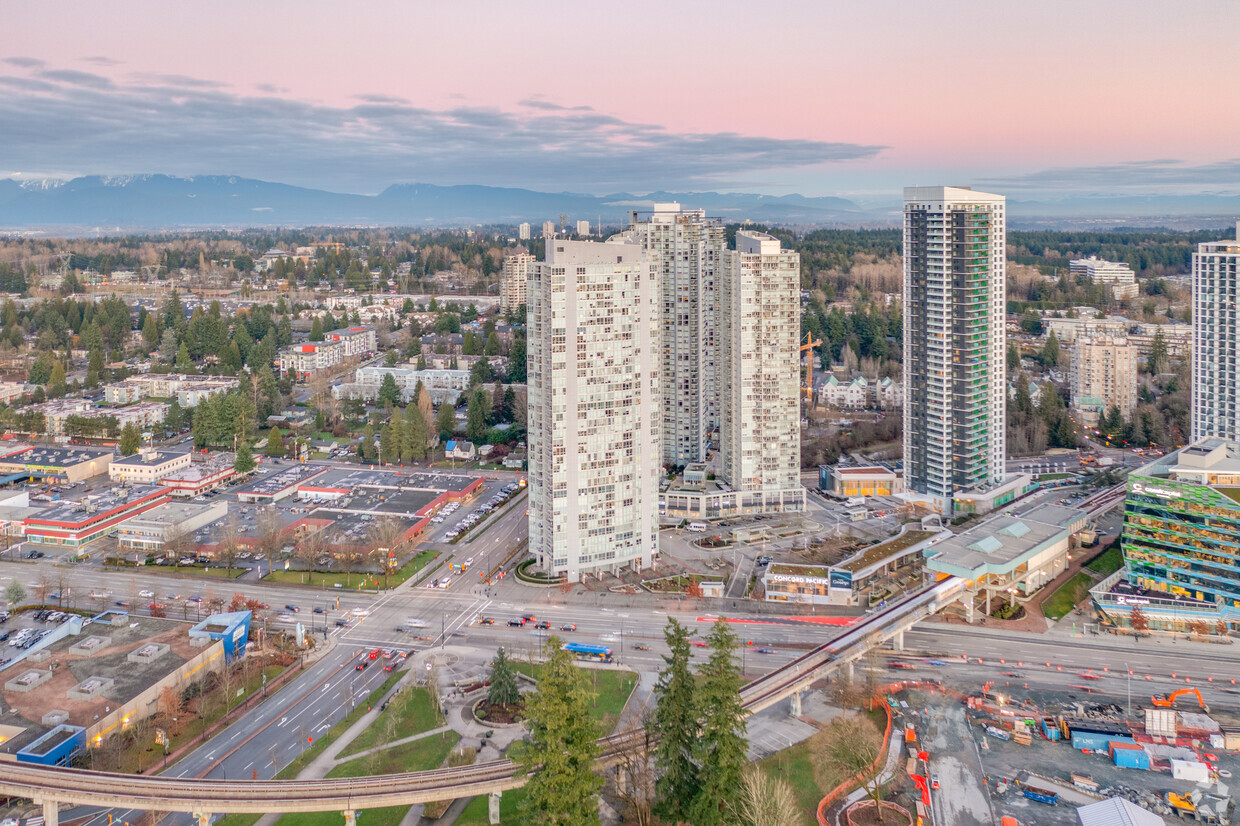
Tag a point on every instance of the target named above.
point(146, 593)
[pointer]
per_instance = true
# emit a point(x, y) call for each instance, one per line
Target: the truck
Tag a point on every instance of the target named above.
point(1002, 734)
point(854, 501)
point(1105, 461)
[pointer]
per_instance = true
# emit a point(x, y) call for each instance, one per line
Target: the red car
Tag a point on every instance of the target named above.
point(698, 643)
point(374, 653)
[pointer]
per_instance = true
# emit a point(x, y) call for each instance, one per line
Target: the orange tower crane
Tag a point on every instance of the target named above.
point(809, 346)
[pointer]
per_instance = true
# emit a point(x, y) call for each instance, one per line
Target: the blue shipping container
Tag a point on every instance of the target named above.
point(1131, 758)
point(1095, 741)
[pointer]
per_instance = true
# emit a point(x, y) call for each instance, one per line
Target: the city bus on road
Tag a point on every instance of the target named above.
point(584, 651)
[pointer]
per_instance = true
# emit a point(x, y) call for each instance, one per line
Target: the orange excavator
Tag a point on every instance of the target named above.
point(1169, 700)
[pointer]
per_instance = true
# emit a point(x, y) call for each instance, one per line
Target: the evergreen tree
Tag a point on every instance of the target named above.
point(1050, 353)
point(416, 434)
point(503, 689)
point(391, 440)
point(675, 726)
point(150, 332)
point(275, 443)
point(268, 395)
point(469, 345)
point(175, 419)
point(563, 788)
point(477, 416)
point(366, 447)
point(244, 463)
point(131, 439)
point(721, 746)
point(492, 345)
point(445, 421)
point(500, 409)
point(316, 329)
point(56, 386)
point(183, 363)
point(517, 361)
point(389, 393)
point(1013, 358)
point(1158, 353)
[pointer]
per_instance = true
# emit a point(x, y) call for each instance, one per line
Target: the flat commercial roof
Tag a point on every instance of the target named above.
point(173, 513)
point(58, 456)
point(287, 478)
point(152, 459)
point(95, 505)
point(345, 479)
point(1001, 543)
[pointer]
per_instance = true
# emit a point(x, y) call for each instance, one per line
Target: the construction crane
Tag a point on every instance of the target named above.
point(1169, 700)
point(809, 346)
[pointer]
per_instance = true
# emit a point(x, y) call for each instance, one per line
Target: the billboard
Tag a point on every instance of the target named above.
point(841, 579)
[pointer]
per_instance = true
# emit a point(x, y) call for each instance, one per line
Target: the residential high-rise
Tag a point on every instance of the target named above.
point(759, 329)
point(955, 403)
point(1216, 340)
point(1103, 375)
point(688, 251)
point(513, 278)
point(523, 231)
point(593, 418)
point(548, 229)
point(583, 227)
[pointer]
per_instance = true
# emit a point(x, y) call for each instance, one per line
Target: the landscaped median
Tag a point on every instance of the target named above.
point(352, 581)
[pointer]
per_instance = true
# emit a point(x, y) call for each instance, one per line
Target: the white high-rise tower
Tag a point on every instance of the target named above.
point(594, 419)
point(688, 252)
point(955, 386)
point(759, 329)
point(1216, 340)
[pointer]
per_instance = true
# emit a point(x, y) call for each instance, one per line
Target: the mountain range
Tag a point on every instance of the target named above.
point(99, 204)
point(164, 202)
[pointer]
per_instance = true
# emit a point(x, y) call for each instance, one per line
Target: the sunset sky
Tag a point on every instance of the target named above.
point(821, 98)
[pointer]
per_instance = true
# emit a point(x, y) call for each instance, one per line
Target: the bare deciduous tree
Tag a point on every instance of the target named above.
point(633, 782)
point(854, 749)
point(765, 800)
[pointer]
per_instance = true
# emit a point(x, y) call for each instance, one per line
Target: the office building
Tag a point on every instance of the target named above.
point(955, 405)
point(688, 251)
point(1216, 337)
point(1103, 375)
point(513, 277)
point(1181, 520)
point(1118, 278)
point(593, 421)
point(760, 323)
point(523, 231)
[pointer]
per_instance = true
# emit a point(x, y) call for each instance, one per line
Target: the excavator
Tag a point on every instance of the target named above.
point(1169, 700)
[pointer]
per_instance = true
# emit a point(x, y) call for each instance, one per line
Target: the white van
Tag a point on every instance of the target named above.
point(697, 527)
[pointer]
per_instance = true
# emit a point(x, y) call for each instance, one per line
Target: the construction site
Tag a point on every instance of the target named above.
point(1016, 752)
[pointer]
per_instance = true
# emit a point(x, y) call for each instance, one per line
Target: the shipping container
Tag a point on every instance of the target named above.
point(1097, 741)
point(1190, 770)
point(1050, 730)
point(1130, 756)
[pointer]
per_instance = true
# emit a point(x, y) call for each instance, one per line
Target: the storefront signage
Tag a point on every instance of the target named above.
point(841, 579)
point(800, 580)
point(1155, 490)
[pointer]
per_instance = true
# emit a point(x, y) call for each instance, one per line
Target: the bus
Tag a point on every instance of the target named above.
point(583, 651)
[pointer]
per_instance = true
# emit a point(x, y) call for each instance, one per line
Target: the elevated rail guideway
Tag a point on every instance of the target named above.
point(50, 786)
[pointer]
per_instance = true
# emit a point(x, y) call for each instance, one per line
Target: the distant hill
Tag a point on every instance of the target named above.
point(142, 202)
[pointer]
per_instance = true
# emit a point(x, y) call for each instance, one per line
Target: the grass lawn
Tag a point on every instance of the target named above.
point(194, 570)
point(411, 709)
point(1066, 596)
point(612, 690)
point(352, 582)
point(805, 768)
point(1050, 477)
point(419, 755)
point(475, 812)
point(1107, 562)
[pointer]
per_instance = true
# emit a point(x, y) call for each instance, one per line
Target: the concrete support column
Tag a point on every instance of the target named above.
point(350, 817)
point(51, 812)
point(848, 670)
point(203, 818)
point(493, 808)
point(796, 704)
point(897, 641)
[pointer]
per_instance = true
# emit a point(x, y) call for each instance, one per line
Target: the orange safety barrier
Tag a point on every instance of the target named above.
point(839, 791)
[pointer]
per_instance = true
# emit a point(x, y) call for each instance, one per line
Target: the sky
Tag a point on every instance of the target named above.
point(1033, 99)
